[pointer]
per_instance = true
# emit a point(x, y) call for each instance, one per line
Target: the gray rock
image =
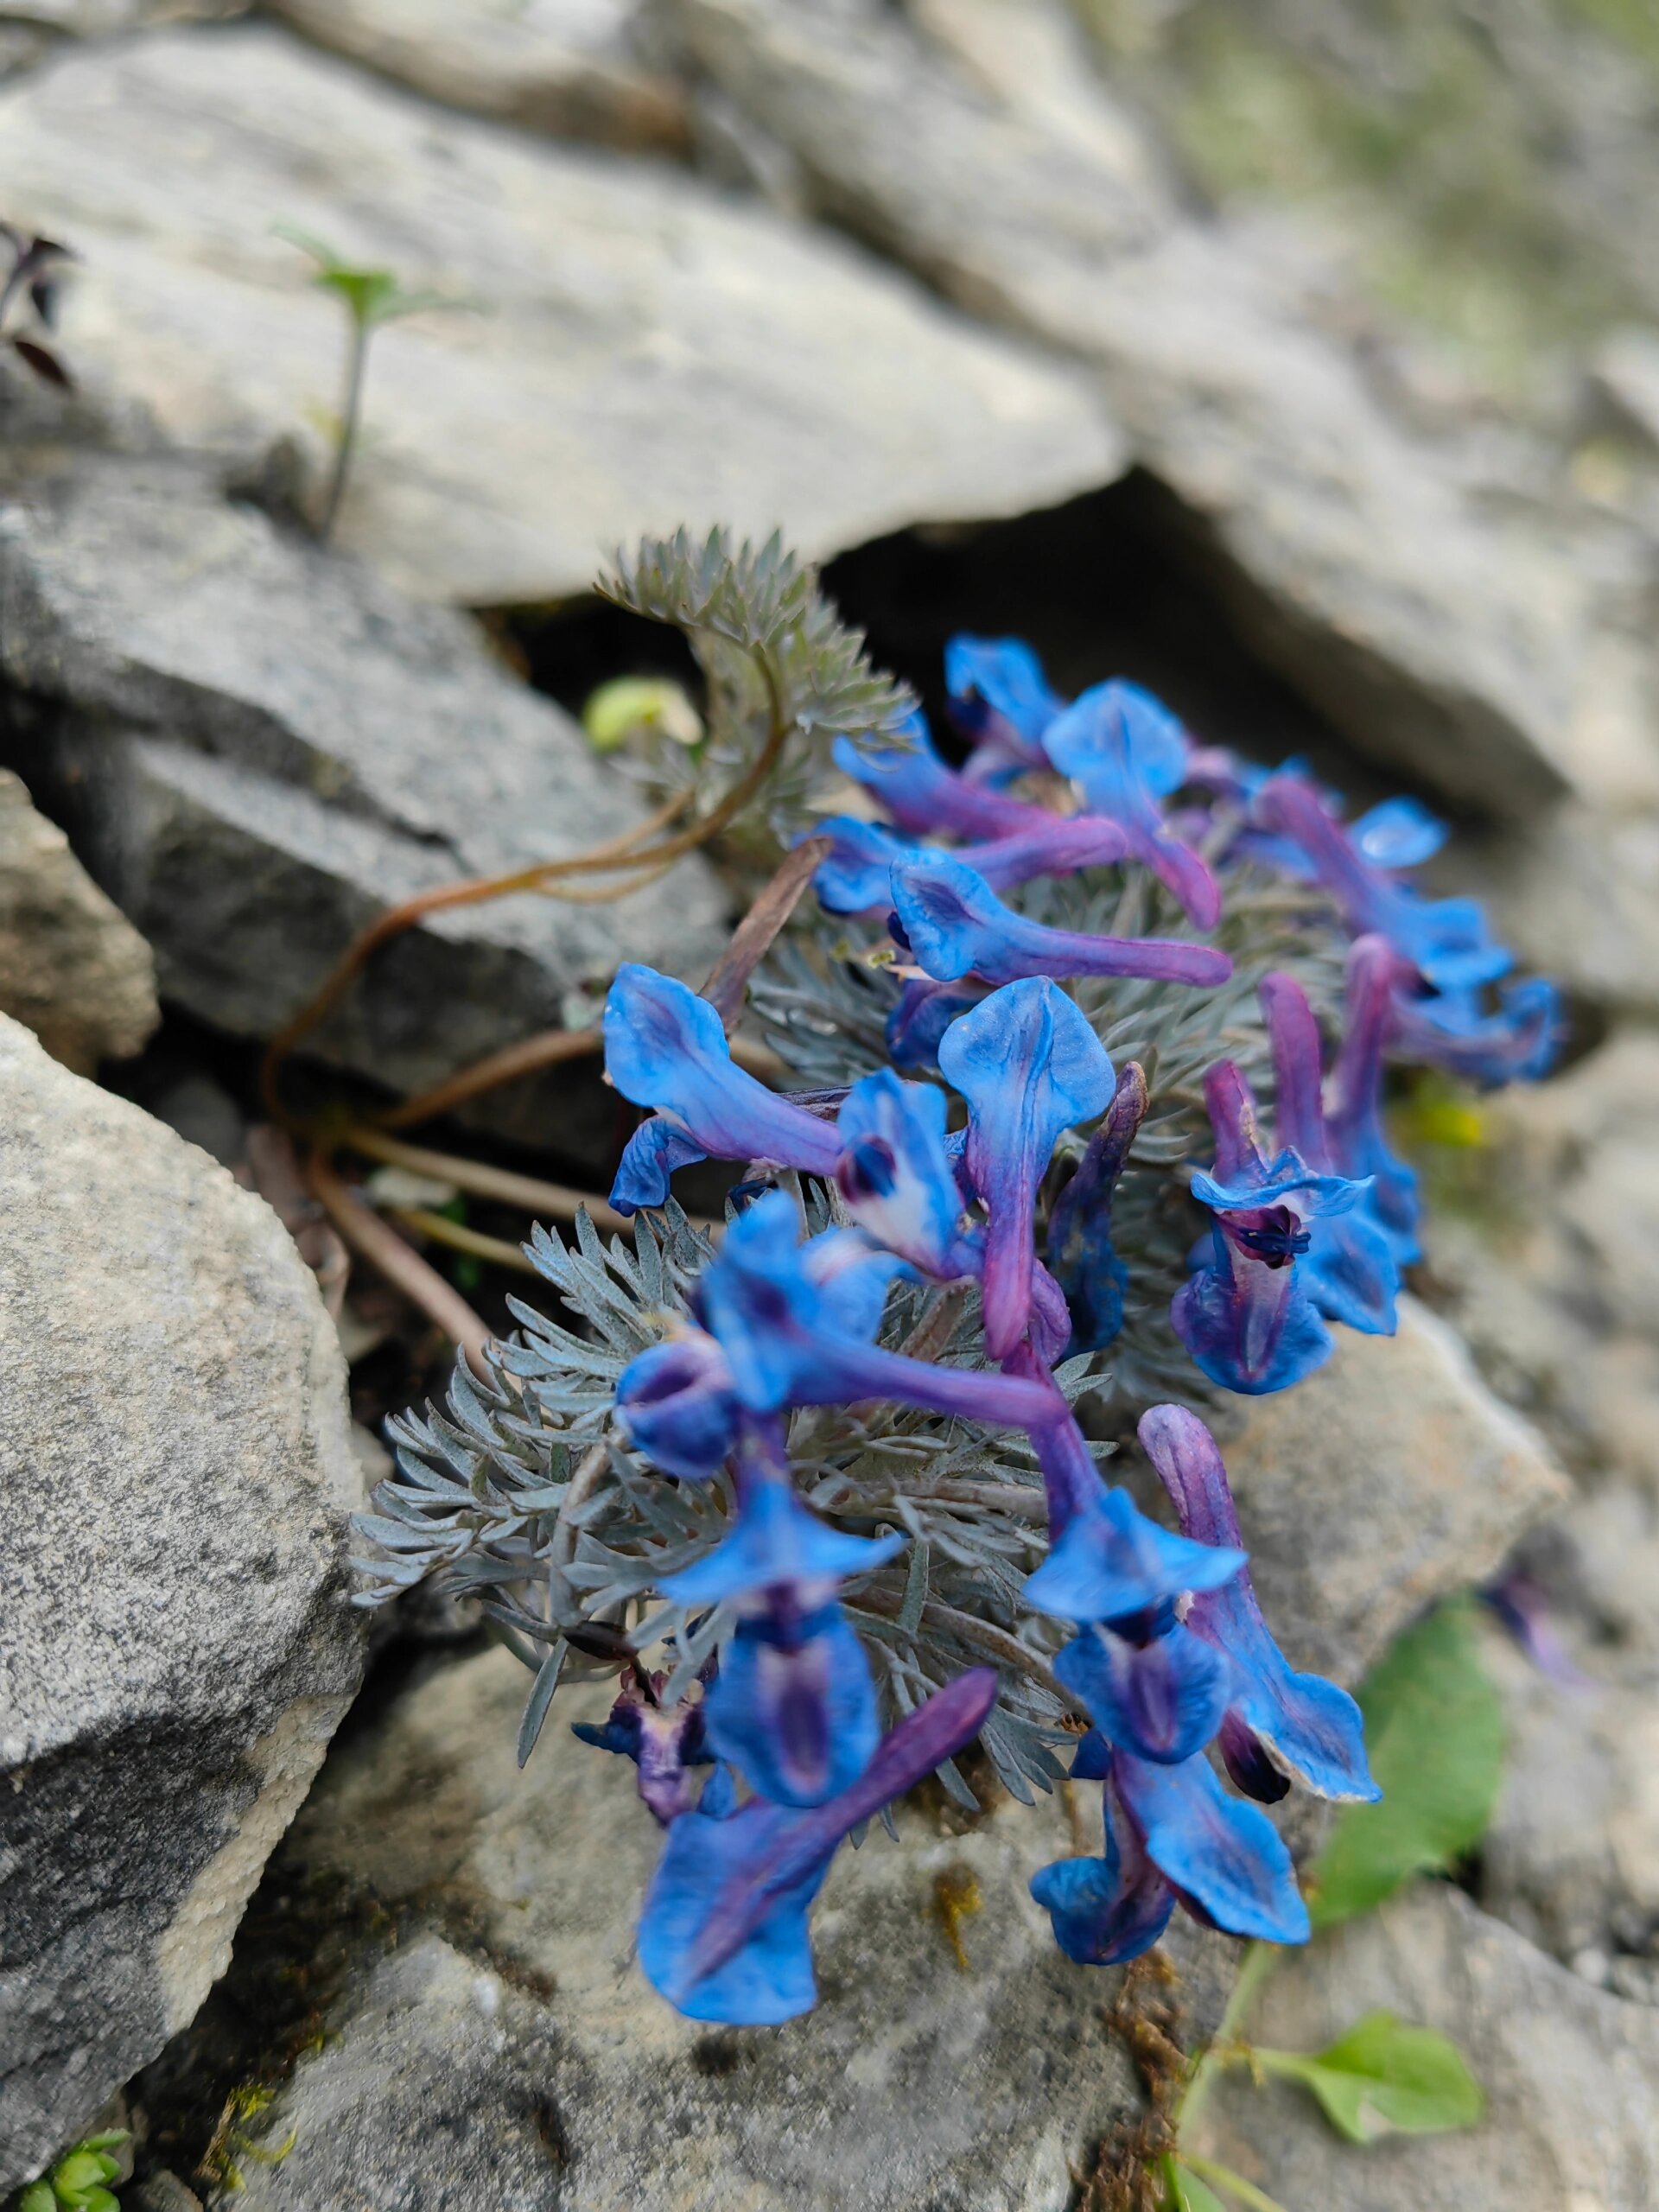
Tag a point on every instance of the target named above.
point(1386, 1479)
point(512, 2035)
point(1573, 892)
point(1431, 637)
point(260, 747)
point(1571, 2075)
point(72, 968)
point(176, 1472)
point(571, 68)
point(649, 351)
point(1624, 378)
point(110, 18)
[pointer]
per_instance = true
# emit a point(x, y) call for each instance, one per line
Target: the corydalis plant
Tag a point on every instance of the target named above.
point(829, 1468)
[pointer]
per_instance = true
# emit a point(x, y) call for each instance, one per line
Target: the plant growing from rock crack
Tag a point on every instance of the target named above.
point(371, 298)
point(825, 1469)
point(79, 2181)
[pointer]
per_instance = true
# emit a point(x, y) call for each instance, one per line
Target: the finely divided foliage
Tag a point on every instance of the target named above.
point(825, 1472)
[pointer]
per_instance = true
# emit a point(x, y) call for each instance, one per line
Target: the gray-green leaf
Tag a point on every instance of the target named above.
point(1435, 1731)
point(1385, 2078)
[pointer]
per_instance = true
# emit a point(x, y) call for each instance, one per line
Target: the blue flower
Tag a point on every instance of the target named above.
point(1446, 939)
point(1351, 1270)
point(677, 1405)
point(1080, 1255)
point(664, 1744)
point(925, 798)
point(1029, 1064)
point(1129, 754)
point(1222, 1855)
point(955, 926)
point(1302, 1725)
point(1353, 1119)
point(857, 875)
point(895, 1176)
point(665, 1047)
point(1152, 1686)
point(723, 1934)
point(793, 1707)
point(788, 1343)
point(925, 1011)
point(1107, 1911)
point(1453, 1030)
point(1002, 701)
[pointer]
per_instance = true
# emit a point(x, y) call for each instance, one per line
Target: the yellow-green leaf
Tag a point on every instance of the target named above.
point(1386, 2078)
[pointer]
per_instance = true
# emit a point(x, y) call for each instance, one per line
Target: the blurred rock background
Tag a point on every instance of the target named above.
point(1298, 358)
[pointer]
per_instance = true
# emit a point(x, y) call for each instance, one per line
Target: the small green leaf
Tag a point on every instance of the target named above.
point(37, 2197)
point(83, 2169)
point(1435, 1731)
point(98, 2199)
point(1385, 2078)
point(114, 2138)
point(1186, 2192)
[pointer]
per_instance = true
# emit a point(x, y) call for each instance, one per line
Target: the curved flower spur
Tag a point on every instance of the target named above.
point(927, 1289)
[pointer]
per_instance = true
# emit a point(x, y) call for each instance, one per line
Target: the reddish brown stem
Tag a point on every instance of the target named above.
point(402, 1267)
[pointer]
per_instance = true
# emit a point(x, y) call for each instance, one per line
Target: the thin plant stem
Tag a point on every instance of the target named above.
point(552, 1201)
point(548, 1048)
point(1254, 2199)
point(351, 414)
point(754, 935)
point(1223, 2047)
point(402, 1267)
point(459, 1238)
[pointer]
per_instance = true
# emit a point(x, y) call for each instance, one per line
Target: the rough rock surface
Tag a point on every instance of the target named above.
point(1571, 2075)
point(175, 1470)
point(512, 2030)
point(647, 350)
point(1624, 380)
point(569, 67)
point(72, 968)
point(260, 747)
point(1388, 1479)
point(1430, 638)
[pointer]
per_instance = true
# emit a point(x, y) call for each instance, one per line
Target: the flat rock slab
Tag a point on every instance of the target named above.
point(1388, 1479)
point(645, 351)
point(1571, 2073)
point(73, 969)
point(259, 747)
point(511, 2032)
point(571, 68)
point(1432, 640)
point(175, 1475)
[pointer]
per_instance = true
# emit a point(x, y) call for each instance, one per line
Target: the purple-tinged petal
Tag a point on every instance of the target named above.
point(1524, 1607)
point(1222, 1852)
point(678, 1406)
point(1247, 1319)
point(1129, 754)
point(1247, 1761)
point(1444, 939)
point(1450, 1030)
point(1297, 1069)
point(1066, 843)
point(1111, 1561)
point(851, 1279)
point(1350, 1274)
point(1002, 703)
point(926, 1010)
point(1163, 1698)
point(1313, 1729)
point(664, 1047)
point(1109, 1909)
point(784, 1348)
point(856, 874)
point(1086, 1268)
point(1029, 1064)
point(894, 1175)
point(955, 926)
point(793, 1707)
point(656, 1148)
point(664, 1744)
point(1359, 1145)
point(723, 1933)
point(1243, 1178)
point(926, 798)
point(1049, 1330)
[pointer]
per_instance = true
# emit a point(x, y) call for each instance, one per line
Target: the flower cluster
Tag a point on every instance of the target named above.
point(981, 1170)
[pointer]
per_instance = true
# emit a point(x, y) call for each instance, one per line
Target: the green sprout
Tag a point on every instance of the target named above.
point(372, 297)
point(78, 2182)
